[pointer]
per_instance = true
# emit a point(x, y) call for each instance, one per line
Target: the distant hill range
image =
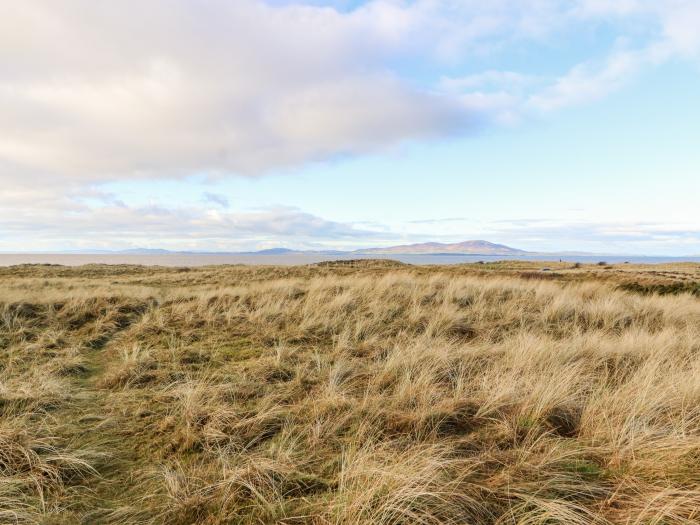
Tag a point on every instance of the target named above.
point(437, 248)
point(426, 248)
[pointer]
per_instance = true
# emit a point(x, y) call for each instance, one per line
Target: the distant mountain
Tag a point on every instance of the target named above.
point(427, 248)
point(458, 248)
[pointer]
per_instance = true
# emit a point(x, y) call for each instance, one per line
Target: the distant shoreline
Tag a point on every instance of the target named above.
point(194, 260)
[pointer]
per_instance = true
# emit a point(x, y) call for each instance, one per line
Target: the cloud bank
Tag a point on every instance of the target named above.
point(100, 90)
point(116, 225)
point(73, 224)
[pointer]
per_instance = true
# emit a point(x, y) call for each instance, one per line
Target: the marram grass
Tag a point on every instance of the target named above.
point(366, 393)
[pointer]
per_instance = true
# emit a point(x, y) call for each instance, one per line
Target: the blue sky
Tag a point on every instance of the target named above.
point(553, 125)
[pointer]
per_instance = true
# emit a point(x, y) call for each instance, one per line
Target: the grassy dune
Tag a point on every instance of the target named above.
point(366, 393)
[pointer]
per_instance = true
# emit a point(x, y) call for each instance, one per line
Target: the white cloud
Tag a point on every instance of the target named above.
point(67, 223)
point(681, 23)
point(588, 82)
point(671, 24)
point(95, 91)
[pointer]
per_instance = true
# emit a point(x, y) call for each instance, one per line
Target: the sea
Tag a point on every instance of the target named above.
point(193, 259)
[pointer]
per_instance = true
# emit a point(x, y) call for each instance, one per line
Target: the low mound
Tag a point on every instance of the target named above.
point(360, 263)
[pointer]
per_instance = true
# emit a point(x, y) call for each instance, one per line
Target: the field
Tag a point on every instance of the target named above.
point(350, 393)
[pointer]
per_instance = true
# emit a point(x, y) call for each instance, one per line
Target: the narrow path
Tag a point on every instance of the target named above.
point(88, 423)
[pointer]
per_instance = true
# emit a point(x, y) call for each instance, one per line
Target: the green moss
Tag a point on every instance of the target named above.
point(236, 350)
point(584, 468)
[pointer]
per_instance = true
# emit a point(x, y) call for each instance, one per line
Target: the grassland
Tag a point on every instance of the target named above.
point(353, 393)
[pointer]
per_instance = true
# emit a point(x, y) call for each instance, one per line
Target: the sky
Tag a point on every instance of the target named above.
point(219, 125)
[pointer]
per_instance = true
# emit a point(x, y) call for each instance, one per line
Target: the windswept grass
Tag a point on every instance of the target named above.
point(348, 394)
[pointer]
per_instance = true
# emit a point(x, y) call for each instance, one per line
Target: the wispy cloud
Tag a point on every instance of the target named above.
point(668, 26)
point(588, 82)
point(75, 225)
point(556, 234)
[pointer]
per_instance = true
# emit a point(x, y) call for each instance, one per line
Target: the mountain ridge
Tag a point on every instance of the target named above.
point(474, 247)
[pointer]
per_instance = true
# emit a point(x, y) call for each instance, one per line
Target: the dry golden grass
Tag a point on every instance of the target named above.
point(367, 393)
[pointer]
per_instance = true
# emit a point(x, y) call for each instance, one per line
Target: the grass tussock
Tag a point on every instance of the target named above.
point(347, 394)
